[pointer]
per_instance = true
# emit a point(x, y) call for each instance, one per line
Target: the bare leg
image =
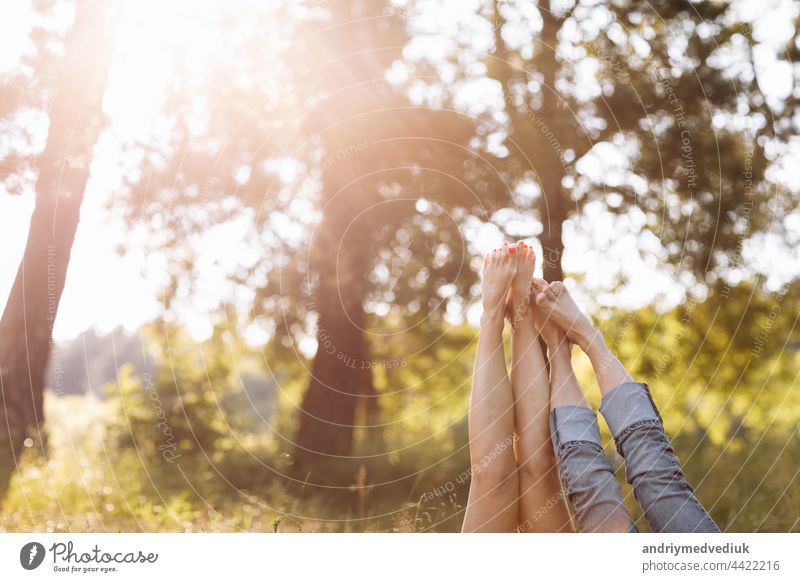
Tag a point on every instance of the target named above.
point(541, 504)
point(562, 310)
point(564, 387)
point(493, 503)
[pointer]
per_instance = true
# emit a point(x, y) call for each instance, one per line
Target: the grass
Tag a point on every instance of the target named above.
point(84, 485)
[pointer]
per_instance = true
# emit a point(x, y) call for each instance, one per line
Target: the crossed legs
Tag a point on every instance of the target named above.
point(515, 484)
point(520, 492)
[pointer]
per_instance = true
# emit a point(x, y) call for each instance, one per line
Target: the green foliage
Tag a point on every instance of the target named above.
point(193, 413)
point(177, 412)
point(725, 366)
point(728, 393)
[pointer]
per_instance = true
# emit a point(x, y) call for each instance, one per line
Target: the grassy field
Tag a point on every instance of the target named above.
point(87, 486)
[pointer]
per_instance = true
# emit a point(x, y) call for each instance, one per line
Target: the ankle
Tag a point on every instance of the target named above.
point(492, 319)
point(518, 310)
point(560, 360)
point(593, 343)
point(559, 349)
point(520, 320)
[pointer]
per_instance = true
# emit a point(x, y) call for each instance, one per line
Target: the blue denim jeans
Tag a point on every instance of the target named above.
point(652, 468)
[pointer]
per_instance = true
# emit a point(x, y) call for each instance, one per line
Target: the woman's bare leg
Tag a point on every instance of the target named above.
point(541, 504)
point(493, 503)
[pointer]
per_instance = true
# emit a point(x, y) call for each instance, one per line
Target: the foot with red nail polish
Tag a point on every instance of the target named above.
point(519, 296)
point(498, 271)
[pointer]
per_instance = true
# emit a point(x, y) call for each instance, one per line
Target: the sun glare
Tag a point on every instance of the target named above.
point(154, 39)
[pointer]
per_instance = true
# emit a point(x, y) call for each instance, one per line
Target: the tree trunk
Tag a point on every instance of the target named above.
point(350, 80)
point(553, 213)
point(551, 169)
point(341, 376)
point(76, 120)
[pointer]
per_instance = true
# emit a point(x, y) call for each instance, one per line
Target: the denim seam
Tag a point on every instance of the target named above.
point(647, 393)
point(565, 447)
point(627, 431)
point(652, 402)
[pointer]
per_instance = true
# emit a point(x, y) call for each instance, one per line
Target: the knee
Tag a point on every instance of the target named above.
point(495, 475)
point(539, 467)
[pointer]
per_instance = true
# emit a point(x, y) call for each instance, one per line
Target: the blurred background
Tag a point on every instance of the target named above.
point(241, 242)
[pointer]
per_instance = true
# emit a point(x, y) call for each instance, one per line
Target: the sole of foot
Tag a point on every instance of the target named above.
point(551, 333)
point(557, 305)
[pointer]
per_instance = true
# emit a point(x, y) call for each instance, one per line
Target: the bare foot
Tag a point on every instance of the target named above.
point(498, 271)
point(519, 298)
point(551, 333)
point(555, 302)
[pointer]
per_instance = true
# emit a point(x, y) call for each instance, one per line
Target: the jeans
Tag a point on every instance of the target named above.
point(652, 468)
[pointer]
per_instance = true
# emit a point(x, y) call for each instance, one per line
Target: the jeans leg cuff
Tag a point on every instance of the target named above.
point(626, 405)
point(574, 423)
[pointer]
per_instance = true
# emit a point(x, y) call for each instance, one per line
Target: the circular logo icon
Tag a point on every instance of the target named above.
point(31, 555)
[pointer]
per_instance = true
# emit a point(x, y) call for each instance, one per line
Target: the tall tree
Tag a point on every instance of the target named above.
point(76, 120)
point(383, 154)
point(343, 156)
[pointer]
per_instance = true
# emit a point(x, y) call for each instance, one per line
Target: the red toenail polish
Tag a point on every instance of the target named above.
point(512, 250)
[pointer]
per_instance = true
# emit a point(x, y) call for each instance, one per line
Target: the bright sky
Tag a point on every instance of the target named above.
point(105, 290)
